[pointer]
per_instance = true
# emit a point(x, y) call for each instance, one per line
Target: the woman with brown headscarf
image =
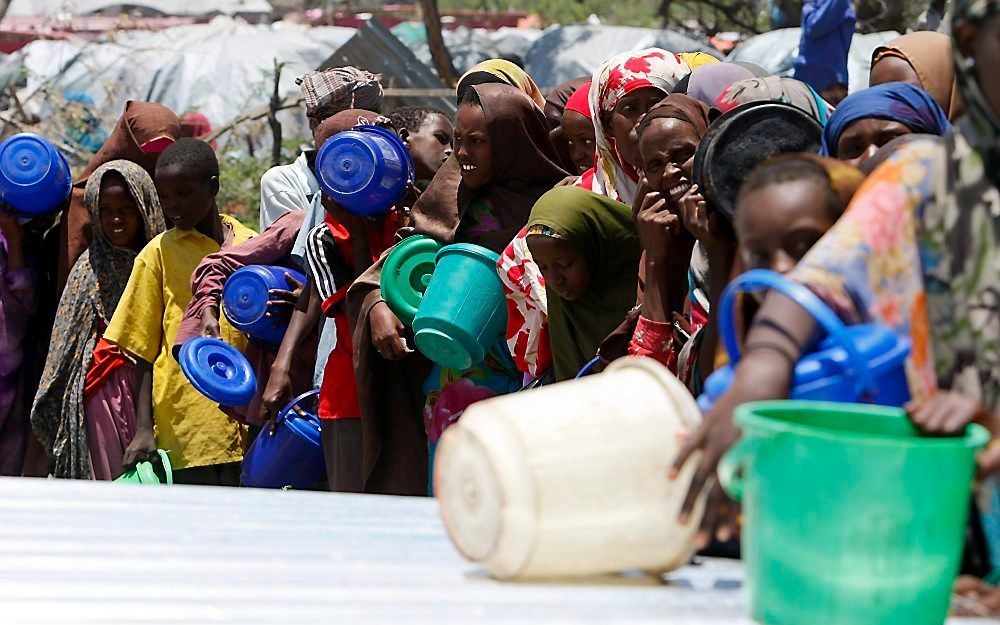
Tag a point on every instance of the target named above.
point(506, 163)
point(924, 60)
point(144, 130)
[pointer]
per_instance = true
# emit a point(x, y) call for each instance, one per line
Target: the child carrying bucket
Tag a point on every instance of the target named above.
point(338, 251)
point(84, 411)
point(205, 446)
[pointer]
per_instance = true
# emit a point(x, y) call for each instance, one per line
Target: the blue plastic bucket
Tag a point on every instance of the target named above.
point(35, 178)
point(364, 170)
point(289, 454)
point(218, 371)
point(463, 312)
point(856, 364)
point(245, 298)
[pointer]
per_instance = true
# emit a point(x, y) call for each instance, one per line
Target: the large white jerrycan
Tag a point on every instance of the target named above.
point(571, 479)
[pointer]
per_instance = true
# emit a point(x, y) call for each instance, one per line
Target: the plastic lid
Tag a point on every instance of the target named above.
point(745, 137)
point(26, 160)
point(444, 349)
point(245, 297)
point(218, 371)
point(406, 273)
point(349, 162)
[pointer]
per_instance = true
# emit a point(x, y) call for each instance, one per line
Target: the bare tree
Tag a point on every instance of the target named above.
point(435, 40)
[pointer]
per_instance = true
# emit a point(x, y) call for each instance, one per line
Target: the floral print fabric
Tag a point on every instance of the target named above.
point(919, 250)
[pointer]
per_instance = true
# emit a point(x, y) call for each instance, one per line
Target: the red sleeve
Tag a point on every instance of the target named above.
point(655, 340)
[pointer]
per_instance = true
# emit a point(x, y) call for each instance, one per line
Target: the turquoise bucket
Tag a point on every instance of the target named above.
point(463, 312)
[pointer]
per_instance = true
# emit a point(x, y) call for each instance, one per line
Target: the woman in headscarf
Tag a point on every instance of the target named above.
point(867, 120)
point(587, 248)
point(578, 129)
point(84, 412)
point(508, 163)
point(774, 89)
point(555, 102)
point(923, 59)
point(144, 130)
point(707, 83)
point(622, 90)
point(686, 251)
point(503, 72)
point(918, 250)
point(694, 60)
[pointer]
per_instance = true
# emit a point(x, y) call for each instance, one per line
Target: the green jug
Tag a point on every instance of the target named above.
point(851, 516)
point(145, 472)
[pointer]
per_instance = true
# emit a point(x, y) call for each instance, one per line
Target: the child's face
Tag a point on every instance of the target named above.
point(776, 225)
point(667, 147)
point(430, 145)
point(121, 221)
point(624, 119)
point(472, 146)
point(579, 133)
point(186, 201)
point(563, 266)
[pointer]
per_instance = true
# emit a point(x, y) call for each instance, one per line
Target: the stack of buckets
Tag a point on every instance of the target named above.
point(850, 515)
point(35, 178)
point(452, 297)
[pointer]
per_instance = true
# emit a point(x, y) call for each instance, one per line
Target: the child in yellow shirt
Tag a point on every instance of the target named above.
point(204, 445)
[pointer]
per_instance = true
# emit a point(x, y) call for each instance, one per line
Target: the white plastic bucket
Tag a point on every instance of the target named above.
point(571, 479)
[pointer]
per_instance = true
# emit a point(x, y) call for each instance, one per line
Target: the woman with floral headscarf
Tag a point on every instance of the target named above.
point(84, 413)
point(622, 90)
point(918, 250)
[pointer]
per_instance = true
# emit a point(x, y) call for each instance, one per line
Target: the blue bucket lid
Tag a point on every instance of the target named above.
point(218, 371)
point(356, 163)
point(245, 296)
point(34, 176)
point(307, 427)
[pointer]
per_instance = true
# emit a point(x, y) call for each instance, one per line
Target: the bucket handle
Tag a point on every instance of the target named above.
point(293, 404)
point(733, 464)
point(167, 469)
point(761, 279)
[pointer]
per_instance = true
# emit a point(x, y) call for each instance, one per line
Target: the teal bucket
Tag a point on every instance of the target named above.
point(463, 312)
point(851, 517)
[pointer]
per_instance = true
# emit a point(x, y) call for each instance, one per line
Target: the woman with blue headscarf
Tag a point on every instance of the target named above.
point(867, 120)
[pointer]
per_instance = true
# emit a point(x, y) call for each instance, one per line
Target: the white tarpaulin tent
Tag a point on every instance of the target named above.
point(566, 52)
point(776, 51)
point(221, 69)
point(468, 46)
point(49, 8)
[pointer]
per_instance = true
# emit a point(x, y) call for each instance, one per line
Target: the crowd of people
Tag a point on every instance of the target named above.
point(609, 248)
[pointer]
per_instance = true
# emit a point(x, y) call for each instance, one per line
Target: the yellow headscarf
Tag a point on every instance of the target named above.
point(508, 73)
point(697, 59)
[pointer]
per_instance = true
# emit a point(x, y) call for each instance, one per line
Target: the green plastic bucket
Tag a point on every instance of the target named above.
point(463, 312)
point(406, 273)
point(851, 517)
point(145, 472)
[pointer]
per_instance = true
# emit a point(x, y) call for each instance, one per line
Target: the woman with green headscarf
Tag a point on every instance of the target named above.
point(587, 249)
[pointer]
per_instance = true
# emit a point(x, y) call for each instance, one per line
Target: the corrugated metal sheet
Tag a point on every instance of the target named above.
point(376, 49)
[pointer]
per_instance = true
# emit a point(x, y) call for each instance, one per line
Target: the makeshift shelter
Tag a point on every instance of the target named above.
point(375, 48)
point(254, 10)
point(775, 51)
point(565, 52)
point(221, 69)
